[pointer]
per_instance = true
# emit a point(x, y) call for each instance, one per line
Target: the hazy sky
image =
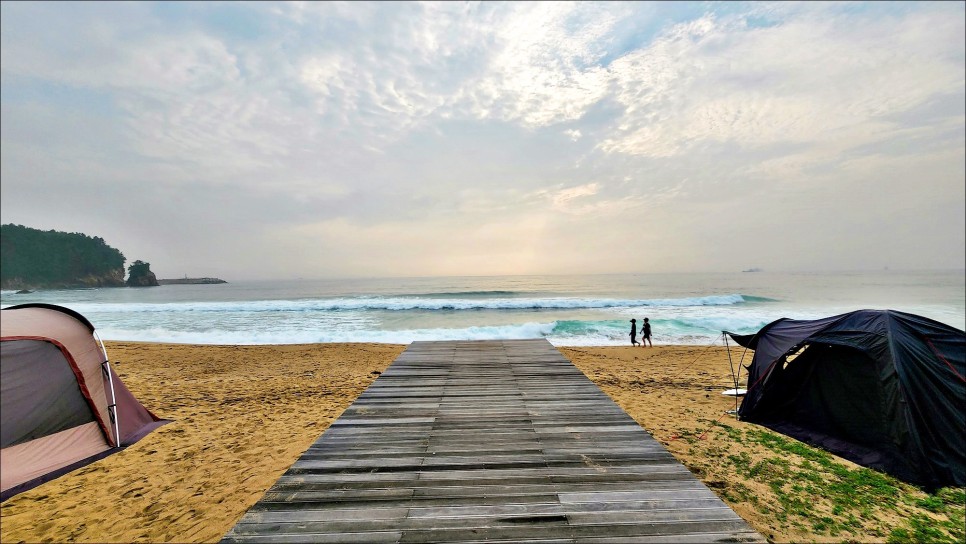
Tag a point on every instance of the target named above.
point(274, 140)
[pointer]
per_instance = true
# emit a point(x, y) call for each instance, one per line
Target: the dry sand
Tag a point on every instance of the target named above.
point(243, 414)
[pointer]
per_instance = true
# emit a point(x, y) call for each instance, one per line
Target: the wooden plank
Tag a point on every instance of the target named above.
point(494, 441)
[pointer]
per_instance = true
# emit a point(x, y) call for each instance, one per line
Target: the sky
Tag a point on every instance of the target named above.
point(327, 139)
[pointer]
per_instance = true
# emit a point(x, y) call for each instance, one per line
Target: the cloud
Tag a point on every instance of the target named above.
point(574, 134)
point(438, 128)
point(561, 198)
point(814, 80)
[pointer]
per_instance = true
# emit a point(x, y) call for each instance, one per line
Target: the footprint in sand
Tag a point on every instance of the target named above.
point(132, 493)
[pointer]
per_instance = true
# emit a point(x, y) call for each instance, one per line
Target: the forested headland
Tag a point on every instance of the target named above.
point(36, 259)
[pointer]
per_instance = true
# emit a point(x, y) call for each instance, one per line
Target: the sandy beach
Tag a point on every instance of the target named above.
point(243, 414)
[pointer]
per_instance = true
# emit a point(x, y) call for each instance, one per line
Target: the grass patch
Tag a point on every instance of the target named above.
point(816, 493)
point(946, 521)
point(923, 528)
point(735, 435)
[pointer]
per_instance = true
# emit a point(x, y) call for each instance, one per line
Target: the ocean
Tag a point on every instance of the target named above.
point(585, 310)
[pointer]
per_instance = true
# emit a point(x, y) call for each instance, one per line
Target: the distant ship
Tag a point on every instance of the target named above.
point(752, 270)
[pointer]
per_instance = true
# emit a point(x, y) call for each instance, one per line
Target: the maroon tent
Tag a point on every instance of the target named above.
point(62, 405)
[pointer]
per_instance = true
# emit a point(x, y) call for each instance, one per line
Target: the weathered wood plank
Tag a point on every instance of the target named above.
point(487, 441)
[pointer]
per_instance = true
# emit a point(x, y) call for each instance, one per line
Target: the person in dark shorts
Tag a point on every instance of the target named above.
point(646, 333)
point(634, 341)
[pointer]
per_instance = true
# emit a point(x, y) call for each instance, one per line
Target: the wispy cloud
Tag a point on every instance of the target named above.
point(455, 125)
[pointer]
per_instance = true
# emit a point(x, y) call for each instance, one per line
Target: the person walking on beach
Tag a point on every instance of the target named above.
point(646, 333)
point(634, 341)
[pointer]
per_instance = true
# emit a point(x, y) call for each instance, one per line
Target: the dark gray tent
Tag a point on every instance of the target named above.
point(882, 388)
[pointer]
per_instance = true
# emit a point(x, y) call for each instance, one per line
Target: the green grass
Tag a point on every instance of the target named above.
point(814, 492)
point(947, 525)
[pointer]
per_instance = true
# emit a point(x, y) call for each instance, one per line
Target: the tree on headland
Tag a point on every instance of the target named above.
point(32, 258)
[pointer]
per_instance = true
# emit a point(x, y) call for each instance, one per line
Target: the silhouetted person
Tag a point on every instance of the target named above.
point(634, 341)
point(646, 333)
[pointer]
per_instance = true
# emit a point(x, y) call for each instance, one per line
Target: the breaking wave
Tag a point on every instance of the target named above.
point(415, 303)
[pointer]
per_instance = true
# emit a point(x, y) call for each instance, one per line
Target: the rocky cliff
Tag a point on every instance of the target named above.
point(140, 275)
point(114, 278)
point(145, 280)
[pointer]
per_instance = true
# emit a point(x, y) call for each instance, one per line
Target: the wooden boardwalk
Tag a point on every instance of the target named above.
point(487, 441)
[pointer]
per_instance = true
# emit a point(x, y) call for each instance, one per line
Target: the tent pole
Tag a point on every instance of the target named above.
point(731, 364)
point(106, 366)
point(113, 406)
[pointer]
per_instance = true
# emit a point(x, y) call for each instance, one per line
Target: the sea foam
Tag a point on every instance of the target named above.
point(409, 303)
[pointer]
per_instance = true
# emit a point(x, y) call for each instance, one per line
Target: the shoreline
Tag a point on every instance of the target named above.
point(241, 415)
